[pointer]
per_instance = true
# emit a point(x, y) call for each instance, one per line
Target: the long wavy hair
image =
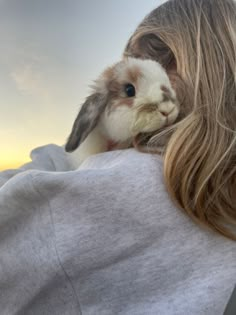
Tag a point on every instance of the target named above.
point(195, 41)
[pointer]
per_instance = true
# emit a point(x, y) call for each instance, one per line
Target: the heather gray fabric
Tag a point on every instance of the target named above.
point(104, 240)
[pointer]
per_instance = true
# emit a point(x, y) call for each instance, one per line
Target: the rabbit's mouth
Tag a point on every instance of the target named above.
point(169, 110)
point(152, 117)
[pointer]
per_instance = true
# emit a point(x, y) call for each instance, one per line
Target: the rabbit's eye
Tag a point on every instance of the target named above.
point(129, 90)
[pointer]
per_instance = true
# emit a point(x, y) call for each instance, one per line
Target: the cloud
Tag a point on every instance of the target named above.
point(30, 80)
point(26, 79)
point(28, 70)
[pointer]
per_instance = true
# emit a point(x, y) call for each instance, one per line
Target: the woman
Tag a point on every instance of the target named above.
point(106, 238)
point(195, 41)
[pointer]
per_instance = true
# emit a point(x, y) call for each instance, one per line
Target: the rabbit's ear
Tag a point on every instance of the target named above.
point(86, 120)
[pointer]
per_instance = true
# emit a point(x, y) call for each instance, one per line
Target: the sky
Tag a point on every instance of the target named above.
point(51, 51)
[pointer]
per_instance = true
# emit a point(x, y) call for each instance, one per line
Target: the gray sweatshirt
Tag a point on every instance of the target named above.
point(105, 239)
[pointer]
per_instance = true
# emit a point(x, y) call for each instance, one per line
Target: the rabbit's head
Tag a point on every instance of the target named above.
point(133, 96)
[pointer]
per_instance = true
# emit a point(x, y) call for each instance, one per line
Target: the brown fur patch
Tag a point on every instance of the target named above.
point(167, 94)
point(111, 145)
point(134, 74)
point(125, 102)
point(108, 73)
point(114, 88)
point(165, 89)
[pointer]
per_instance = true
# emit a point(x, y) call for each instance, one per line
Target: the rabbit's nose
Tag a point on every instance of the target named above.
point(166, 108)
point(164, 113)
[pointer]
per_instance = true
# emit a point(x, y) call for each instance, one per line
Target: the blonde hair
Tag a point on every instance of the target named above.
point(198, 39)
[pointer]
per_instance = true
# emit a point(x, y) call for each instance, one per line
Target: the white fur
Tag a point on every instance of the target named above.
point(124, 122)
point(121, 124)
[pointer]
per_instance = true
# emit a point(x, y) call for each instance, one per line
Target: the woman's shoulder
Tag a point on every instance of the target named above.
point(128, 158)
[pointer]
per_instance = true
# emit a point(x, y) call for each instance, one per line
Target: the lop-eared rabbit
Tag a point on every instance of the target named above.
point(131, 97)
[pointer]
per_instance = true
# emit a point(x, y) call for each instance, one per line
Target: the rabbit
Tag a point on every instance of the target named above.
point(131, 97)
